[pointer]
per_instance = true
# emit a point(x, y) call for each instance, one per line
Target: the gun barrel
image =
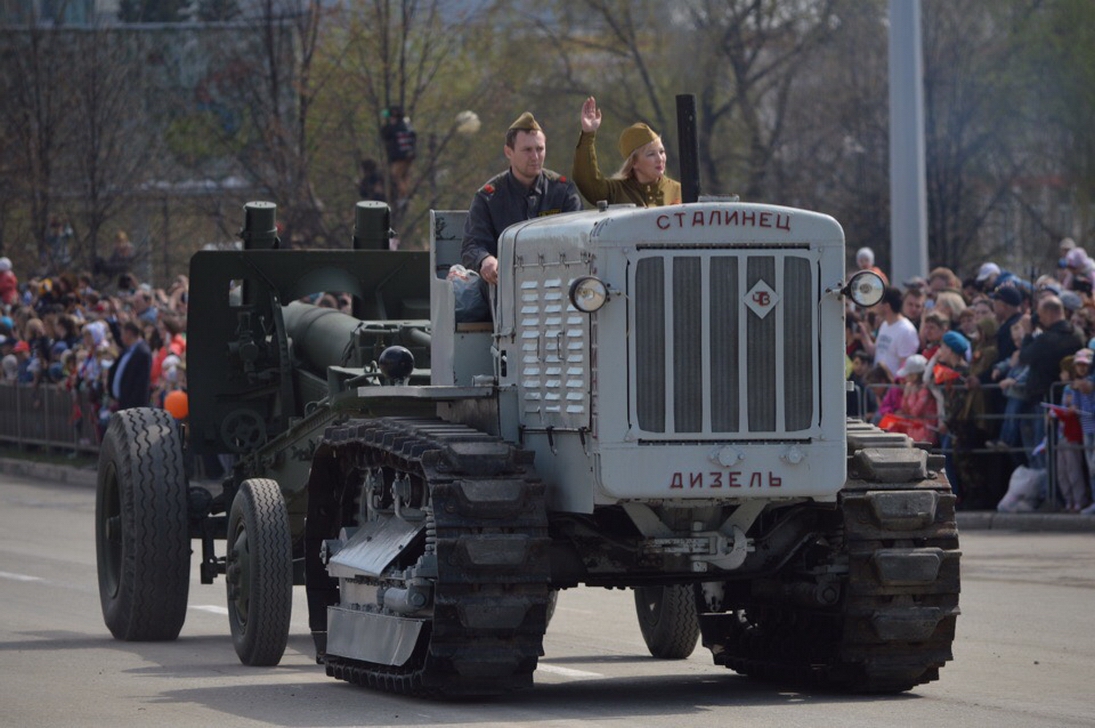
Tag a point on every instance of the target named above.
point(321, 337)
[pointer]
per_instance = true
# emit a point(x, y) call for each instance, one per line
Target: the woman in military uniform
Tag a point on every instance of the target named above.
point(641, 180)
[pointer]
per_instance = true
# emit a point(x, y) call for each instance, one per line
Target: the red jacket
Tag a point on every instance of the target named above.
point(9, 288)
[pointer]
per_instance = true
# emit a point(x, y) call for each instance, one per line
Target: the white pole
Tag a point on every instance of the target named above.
point(908, 188)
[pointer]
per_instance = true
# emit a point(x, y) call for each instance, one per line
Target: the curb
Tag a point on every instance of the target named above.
point(1042, 522)
point(967, 520)
point(50, 472)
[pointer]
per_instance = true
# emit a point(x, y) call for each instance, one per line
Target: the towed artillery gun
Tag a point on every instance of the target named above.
point(658, 404)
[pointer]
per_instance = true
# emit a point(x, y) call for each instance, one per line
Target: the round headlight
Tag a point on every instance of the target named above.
point(865, 288)
point(588, 293)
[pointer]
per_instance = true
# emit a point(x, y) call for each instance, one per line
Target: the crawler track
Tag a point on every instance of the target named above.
point(895, 549)
point(486, 529)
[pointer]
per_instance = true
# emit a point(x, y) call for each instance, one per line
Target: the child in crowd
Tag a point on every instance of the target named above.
point(1070, 435)
point(918, 405)
point(1013, 378)
point(881, 383)
point(1083, 400)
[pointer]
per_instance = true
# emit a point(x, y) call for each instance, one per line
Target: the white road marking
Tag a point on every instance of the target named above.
point(210, 608)
point(566, 671)
point(19, 577)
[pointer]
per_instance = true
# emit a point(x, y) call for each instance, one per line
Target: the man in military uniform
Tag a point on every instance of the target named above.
point(526, 190)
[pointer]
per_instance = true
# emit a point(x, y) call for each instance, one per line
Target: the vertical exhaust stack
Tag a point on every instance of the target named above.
point(260, 230)
point(689, 147)
point(372, 225)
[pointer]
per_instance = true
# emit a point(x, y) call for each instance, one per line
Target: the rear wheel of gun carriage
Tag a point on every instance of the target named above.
point(142, 541)
point(870, 604)
point(668, 620)
point(259, 572)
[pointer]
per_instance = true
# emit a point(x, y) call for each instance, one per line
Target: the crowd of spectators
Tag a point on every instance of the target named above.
point(122, 344)
point(993, 369)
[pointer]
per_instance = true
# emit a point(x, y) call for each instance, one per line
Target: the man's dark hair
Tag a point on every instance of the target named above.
point(892, 297)
point(133, 329)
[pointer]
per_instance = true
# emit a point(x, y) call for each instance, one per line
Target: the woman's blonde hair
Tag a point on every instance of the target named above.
point(627, 169)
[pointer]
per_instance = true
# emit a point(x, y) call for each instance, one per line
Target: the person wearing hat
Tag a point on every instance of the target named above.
point(949, 371)
point(1081, 270)
point(524, 191)
point(1084, 400)
point(918, 404)
point(1007, 303)
point(9, 284)
point(990, 276)
point(641, 180)
point(1070, 433)
point(864, 260)
point(1043, 354)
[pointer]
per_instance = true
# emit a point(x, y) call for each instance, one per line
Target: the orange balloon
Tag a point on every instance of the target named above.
point(177, 404)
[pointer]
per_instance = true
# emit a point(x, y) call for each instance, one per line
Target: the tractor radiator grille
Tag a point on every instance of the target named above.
point(725, 342)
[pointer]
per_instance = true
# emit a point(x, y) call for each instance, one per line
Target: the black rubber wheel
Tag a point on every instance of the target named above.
point(259, 572)
point(142, 542)
point(668, 620)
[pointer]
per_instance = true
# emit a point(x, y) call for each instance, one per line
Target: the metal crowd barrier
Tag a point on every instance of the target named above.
point(54, 417)
point(48, 416)
point(1052, 441)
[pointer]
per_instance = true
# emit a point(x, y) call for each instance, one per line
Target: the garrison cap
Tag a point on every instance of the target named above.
point(635, 136)
point(525, 122)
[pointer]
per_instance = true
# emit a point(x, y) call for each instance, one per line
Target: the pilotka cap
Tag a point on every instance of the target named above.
point(525, 122)
point(635, 136)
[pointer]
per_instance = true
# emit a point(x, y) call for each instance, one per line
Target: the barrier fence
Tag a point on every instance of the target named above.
point(54, 417)
point(48, 416)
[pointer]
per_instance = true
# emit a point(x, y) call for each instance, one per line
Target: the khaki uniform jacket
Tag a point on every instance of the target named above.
point(595, 187)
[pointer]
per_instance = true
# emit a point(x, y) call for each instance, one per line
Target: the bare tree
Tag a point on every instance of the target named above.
point(33, 112)
point(111, 143)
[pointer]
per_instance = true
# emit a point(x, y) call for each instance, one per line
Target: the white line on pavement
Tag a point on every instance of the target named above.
point(566, 671)
point(210, 608)
point(19, 577)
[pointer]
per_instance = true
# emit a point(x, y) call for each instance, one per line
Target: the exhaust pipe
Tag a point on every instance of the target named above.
point(689, 147)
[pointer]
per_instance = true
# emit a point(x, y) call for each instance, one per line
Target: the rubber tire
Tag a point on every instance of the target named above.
point(259, 572)
point(142, 541)
point(668, 620)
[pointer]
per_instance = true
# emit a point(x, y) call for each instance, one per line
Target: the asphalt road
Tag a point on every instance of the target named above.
point(1025, 653)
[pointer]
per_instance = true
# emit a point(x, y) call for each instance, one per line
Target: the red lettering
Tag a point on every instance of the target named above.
point(761, 298)
point(695, 480)
point(786, 224)
point(663, 222)
point(748, 217)
point(766, 219)
point(755, 481)
point(716, 218)
point(697, 218)
point(734, 483)
point(680, 218)
point(774, 481)
point(716, 479)
point(678, 482)
point(732, 218)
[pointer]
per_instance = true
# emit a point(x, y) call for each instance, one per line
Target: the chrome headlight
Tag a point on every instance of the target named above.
point(588, 293)
point(865, 288)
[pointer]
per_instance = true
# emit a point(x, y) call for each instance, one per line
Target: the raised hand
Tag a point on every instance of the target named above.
point(591, 115)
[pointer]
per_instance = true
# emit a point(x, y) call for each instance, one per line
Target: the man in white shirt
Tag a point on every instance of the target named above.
point(897, 339)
